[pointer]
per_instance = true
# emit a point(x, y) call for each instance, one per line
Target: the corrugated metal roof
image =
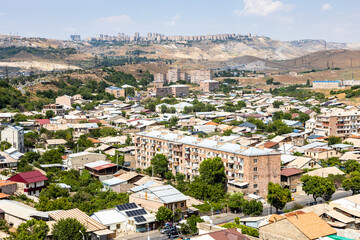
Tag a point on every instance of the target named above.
point(109, 217)
point(168, 194)
point(91, 224)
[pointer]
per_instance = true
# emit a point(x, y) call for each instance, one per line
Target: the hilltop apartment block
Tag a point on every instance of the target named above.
point(248, 169)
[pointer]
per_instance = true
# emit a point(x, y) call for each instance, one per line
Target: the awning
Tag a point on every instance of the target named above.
point(104, 232)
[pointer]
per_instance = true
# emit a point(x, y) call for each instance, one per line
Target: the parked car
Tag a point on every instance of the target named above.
point(166, 229)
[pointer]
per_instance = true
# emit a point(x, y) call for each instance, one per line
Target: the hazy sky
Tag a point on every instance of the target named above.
point(331, 20)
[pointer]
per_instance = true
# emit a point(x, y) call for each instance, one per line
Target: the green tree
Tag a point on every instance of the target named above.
point(227, 132)
point(253, 208)
point(51, 156)
point(333, 140)
point(164, 214)
point(83, 143)
point(352, 166)
point(31, 230)
point(277, 104)
point(163, 108)
point(69, 228)
point(303, 117)
point(278, 196)
point(5, 145)
point(212, 171)
point(160, 165)
point(128, 141)
point(318, 187)
point(236, 201)
point(31, 157)
point(352, 183)
point(191, 225)
point(49, 114)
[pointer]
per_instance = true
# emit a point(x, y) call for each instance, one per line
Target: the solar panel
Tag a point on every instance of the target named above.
point(135, 212)
point(126, 206)
point(140, 219)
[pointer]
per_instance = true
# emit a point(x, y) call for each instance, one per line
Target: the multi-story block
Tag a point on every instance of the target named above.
point(160, 78)
point(15, 136)
point(248, 169)
point(209, 86)
point(179, 90)
point(118, 92)
point(196, 76)
point(338, 122)
point(159, 91)
point(173, 75)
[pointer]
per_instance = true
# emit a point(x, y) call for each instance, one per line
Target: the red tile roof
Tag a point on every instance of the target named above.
point(287, 172)
point(270, 144)
point(109, 165)
point(228, 234)
point(43, 121)
point(29, 177)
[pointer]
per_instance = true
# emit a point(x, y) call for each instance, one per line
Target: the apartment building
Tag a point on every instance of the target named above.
point(173, 75)
point(15, 136)
point(118, 92)
point(208, 86)
point(248, 169)
point(196, 76)
point(160, 78)
point(159, 91)
point(338, 122)
point(179, 90)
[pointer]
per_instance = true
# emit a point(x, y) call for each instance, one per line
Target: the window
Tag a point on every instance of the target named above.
point(255, 185)
point(255, 160)
point(255, 169)
point(255, 177)
point(182, 204)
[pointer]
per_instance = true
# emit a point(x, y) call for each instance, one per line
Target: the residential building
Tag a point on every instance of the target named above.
point(15, 136)
point(78, 160)
point(93, 227)
point(225, 234)
point(196, 76)
point(173, 75)
point(159, 92)
point(338, 122)
point(101, 169)
point(160, 78)
point(290, 178)
point(116, 91)
point(29, 183)
point(153, 197)
point(179, 90)
point(208, 86)
point(65, 101)
point(56, 108)
point(300, 226)
point(248, 169)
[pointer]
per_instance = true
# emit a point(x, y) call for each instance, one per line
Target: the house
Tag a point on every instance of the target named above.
point(325, 172)
point(93, 227)
point(7, 187)
point(249, 127)
point(9, 158)
point(303, 163)
point(29, 183)
point(302, 226)
point(113, 220)
point(101, 169)
point(225, 234)
point(292, 123)
point(77, 160)
point(114, 184)
point(15, 136)
point(54, 143)
point(137, 218)
point(290, 177)
point(151, 198)
point(65, 100)
point(253, 222)
point(321, 153)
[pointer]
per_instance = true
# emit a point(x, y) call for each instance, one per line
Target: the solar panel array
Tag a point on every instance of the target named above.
point(135, 212)
point(126, 206)
point(140, 219)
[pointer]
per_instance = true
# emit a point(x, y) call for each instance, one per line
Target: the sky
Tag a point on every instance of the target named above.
point(330, 20)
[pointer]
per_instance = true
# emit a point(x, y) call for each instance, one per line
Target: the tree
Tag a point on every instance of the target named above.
point(303, 117)
point(31, 157)
point(5, 145)
point(277, 104)
point(164, 214)
point(51, 156)
point(163, 108)
point(212, 171)
point(160, 165)
point(236, 201)
point(31, 230)
point(253, 208)
point(352, 183)
point(69, 228)
point(49, 114)
point(333, 140)
point(128, 141)
point(278, 196)
point(318, 187)
point(352, 166)
point(227, 132)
